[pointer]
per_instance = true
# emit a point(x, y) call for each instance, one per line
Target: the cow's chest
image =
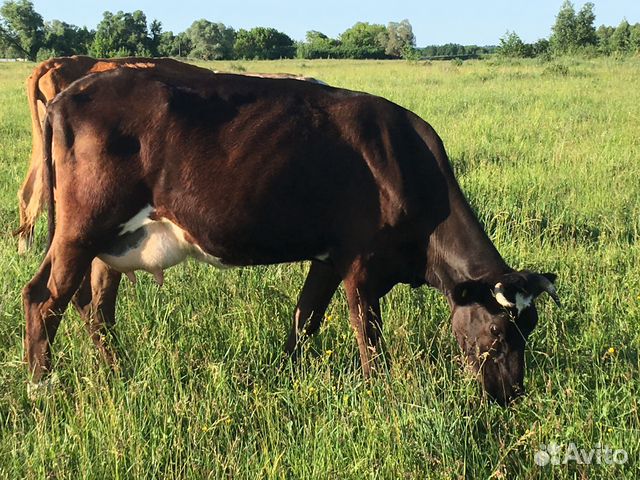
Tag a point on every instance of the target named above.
point(152, 245)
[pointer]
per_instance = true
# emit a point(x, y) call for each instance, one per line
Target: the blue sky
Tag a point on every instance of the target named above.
point(434, 22)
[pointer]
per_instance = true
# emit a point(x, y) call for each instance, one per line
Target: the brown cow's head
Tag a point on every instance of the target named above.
point(492, 322)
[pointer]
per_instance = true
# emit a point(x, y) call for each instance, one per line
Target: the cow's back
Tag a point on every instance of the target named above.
point(256, 170)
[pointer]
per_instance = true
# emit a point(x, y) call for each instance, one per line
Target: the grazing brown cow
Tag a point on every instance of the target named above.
point(50, 78)
point(149, 169)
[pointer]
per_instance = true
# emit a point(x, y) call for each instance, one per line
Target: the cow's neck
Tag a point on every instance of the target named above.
point(459, 249)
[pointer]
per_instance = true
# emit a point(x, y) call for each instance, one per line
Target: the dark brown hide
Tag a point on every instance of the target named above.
point(262, 171)
point(50, 78)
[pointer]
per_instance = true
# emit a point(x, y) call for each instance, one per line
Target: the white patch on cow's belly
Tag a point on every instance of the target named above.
point(153, 246)
point(140, 219)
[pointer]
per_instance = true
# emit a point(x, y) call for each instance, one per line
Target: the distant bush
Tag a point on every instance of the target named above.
point(556, 69)
point(263, 43)
point(512, 46)
point(237, 67)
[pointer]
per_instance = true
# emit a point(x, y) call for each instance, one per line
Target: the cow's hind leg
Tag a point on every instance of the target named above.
point(364, 315)
point(95, 300)
point(319, 287)
point(45, 298)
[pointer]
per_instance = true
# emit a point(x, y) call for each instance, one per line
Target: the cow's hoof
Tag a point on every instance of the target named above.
point(23, 245)
point(43, 388)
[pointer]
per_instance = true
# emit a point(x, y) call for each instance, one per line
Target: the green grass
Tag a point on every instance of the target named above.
point(548, 154)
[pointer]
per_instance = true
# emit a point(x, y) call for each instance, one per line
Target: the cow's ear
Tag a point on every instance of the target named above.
point(550, 276)
point(519, 289)
point(470, 292)
point(545, 282)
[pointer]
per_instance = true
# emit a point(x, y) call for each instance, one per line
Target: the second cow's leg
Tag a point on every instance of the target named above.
point(319, 287)
point(95, 300)
point(365, 318)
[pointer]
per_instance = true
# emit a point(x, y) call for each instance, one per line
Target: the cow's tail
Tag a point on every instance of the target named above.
point(31, 193)
point(34, 94)
point(48, 176)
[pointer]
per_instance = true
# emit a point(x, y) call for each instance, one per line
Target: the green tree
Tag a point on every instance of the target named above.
point(446, 50)
point(400, 38)
point(511, 45)
point(541, 47)
point(318, 45)
point(211, 41)
point(170, 45)
point(563, 37)
point(573, 31)
point(166, 44)
point(635, 37)
point(21, 28)
point(585, 33)
point(621, 38)
point(155, 32)
point(122, 34)
point(603, 35)
point(264, 44)
point(364, 40)
point(63, 39)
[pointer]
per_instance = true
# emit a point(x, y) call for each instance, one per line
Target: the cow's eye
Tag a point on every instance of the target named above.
point(495, 331)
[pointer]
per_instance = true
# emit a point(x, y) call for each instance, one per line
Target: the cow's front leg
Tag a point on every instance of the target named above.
point(319, 287)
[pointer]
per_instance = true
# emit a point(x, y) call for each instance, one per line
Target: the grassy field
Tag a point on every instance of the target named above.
point(549, 155)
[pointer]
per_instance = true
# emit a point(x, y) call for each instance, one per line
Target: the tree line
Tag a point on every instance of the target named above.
point(575, 33)
point(25, 34)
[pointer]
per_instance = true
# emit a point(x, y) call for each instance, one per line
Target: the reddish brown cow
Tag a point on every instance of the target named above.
point(97, 296)
point(149, 169)
point(50, 78)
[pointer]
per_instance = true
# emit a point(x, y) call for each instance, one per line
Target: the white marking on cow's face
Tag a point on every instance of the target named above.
point(153, 246)
point(323, 257)
point(504, 301)
point(523, 301)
